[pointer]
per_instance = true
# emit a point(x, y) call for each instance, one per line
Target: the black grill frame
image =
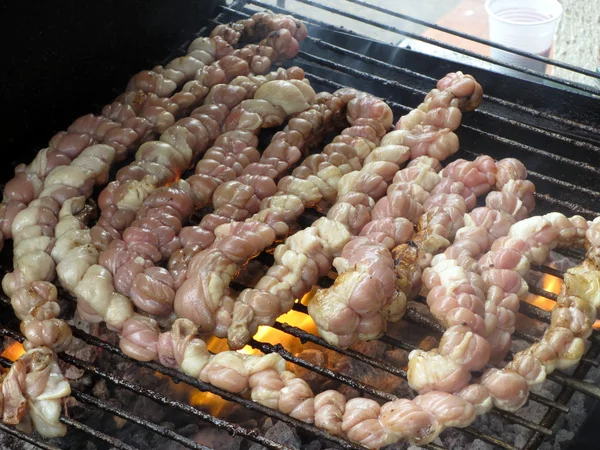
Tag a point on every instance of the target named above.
point(546, 138)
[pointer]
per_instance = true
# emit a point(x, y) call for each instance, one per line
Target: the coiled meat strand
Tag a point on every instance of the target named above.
point(208, 306)
point(163, 212)
point(132, 117)
point(162, 162)
point(34, 385)
point(457, 290)
point(308, 254)
point(347, 312)
point(94, 284)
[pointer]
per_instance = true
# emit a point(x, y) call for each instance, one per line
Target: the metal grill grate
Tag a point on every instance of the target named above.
point(546, 139)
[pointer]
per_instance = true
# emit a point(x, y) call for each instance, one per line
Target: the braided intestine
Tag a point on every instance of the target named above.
point(134, 116)
point(34, 388)
point(36, 244)
point(161, 216)
point(235, 243)
point(347, 311)
point(32, 228)
point(477, 301)
point(209, 271)
point(364, 296)
point(284, 282)
point(78, 268)
point(161, 162)
point(307, 254)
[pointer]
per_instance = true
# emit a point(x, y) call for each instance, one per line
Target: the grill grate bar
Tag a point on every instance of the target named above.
point(577, 209)
point(548, 270)
point(382, 365)
point(82, 397)
point(31, 439)
point(231, 428)
point(343, 51)
point(269, 348)
point(358, 385)
point(563, 396)
point(117, 443)
point(573, 208)
point(533, 289)
point(470, 37)
point(302, 55)
point(181, 377)
point(418, 37)
point(347, 52)
point(573, 383)
point(305, 336)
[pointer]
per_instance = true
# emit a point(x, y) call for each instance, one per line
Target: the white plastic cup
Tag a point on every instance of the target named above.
point(527, 25)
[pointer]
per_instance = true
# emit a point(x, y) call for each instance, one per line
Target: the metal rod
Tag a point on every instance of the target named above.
point(494, 440)
point(358, 385)
point(114, 442)
point(305, 336)
point(563, 396)
point(31, 439)
point(385, 82)
point(159, 429)
point(424, 39)
point(487, 97)
point(548, 270)
point(573, 383)
point(533, 289)
point(249, 404)
point(479, 40)
point(232, 428)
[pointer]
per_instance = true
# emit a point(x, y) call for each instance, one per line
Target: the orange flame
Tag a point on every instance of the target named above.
point(552, 284)
point(215, 404)
point(14, 351)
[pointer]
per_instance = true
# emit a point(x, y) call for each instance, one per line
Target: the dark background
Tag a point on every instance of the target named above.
point(64, 59)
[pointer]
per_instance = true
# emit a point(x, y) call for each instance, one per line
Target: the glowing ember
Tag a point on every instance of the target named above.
point(14, 351)
point(551, 284)
point(215, 404)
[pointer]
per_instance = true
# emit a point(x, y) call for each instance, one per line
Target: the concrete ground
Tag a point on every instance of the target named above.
point(577, 39)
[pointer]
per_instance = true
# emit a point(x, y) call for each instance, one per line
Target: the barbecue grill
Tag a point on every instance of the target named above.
point(550, 124)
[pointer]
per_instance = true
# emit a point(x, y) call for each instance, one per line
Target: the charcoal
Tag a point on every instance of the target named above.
point(268, 423)
point(283, 434)
point(188, 430)
point(218, 439)
point(314, 445)
point(478, 444)
point(7, 441)
point(397, 446)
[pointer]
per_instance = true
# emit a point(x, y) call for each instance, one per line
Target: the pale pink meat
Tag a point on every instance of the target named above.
point(329, 411)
